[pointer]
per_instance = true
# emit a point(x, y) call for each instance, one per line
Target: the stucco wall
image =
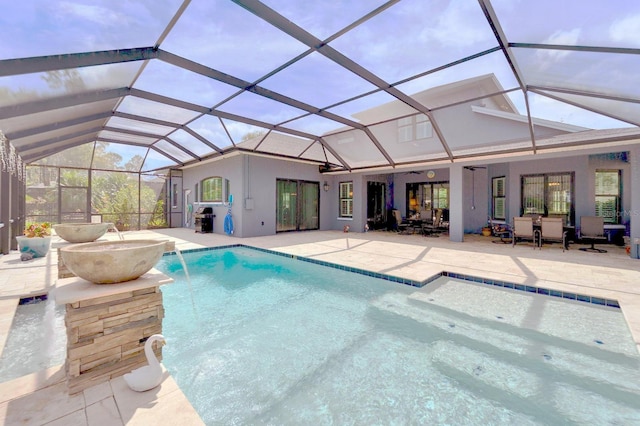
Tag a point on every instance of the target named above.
point(253, 178)
point(261, 174)
point(229, 168)
point(584, 183)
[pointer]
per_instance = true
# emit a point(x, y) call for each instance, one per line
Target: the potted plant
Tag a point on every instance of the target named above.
point(486, 230)
point(36, 239)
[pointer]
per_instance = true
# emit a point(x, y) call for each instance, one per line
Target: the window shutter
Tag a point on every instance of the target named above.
point(498, 208)
point(498, 187)
point(346, 199)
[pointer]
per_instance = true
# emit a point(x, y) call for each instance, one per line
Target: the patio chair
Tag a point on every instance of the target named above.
point(401, 226)
point(552, 228)
point(433, 229)
point(523, 230)
point(501, 230)
point(592, 230)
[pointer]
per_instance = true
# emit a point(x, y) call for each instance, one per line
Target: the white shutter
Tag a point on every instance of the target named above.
point(499, 208)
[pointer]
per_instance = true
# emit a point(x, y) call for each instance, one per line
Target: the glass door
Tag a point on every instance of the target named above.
point(428, 197)
point(559, 196)
point(309, 196)
point(287, 194)
point(376, 202)
point(297, 205)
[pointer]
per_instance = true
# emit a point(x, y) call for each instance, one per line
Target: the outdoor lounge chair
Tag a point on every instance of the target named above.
point(400, 225)
point(523, 230)
point(592, 230)
point(552, 228)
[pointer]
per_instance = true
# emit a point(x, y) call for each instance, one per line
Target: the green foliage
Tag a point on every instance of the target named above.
point(134, 164)
point(74, 177)
point(41, 230)
point(116, 195)
point(158, 218)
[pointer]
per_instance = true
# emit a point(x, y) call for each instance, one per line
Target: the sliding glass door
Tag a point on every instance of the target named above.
point(428, 197)
point(297, 205)
point(549, 195)
point(308, 209)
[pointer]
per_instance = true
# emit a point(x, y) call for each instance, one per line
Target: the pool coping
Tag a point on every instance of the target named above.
point(600, 301)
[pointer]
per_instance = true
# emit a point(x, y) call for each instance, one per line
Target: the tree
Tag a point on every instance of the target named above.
point(134, 164)
point(253, 134)
point(70, 80)
point(115, 193)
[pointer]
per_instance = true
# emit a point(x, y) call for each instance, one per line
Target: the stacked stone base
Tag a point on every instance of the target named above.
point(106, 335)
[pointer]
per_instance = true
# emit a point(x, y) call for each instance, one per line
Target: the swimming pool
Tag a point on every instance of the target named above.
point(265, 339)
point(37, 339)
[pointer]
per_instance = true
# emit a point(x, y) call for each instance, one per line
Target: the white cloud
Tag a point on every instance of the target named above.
point(97, 14)
point(456, 26)
point(626, 30)
point(564, 37)
point(546, 57)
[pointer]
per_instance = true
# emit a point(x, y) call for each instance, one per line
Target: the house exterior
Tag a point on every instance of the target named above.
point(343, 198)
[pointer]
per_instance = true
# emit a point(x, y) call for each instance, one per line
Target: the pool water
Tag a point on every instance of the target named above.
point(263, 339)
point(37, 340)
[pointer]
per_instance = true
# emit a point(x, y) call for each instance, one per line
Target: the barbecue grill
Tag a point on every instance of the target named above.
point(204, 219)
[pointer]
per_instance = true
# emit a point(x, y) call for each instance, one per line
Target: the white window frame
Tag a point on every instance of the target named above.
point(499, 198)
point(345, 193)
point(414, 128)
point(405, 129)
point(223, 189)
point(614, 217)
point(424, 128)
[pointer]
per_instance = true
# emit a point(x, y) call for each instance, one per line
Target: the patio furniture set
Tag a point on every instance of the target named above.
point(423, 223)
point(553, 229)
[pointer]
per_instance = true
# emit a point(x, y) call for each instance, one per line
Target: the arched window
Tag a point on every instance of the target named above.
point(212, 190)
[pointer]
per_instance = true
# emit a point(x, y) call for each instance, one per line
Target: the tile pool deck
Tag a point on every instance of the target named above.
point(41, 399)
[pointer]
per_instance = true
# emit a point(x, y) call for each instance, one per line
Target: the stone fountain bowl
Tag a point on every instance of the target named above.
point(110, 262)
point(81, 232)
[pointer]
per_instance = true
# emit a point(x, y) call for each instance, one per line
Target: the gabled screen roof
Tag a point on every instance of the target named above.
point(352, 84)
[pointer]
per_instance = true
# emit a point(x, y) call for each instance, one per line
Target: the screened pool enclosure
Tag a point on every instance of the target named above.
point(103, 104)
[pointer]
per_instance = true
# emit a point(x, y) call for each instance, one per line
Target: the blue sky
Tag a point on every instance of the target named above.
point(409, 37)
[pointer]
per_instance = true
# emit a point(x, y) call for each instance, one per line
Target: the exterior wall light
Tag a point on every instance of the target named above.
point(325, 186)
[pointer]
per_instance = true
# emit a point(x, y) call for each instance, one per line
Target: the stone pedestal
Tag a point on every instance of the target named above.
point(107, 326)
point(63, 271)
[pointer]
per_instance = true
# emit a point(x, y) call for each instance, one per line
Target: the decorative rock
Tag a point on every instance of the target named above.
point(26, 256)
